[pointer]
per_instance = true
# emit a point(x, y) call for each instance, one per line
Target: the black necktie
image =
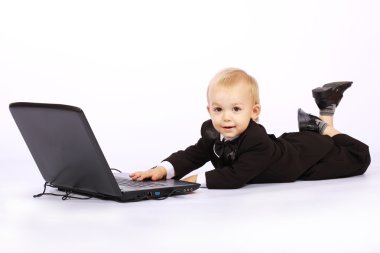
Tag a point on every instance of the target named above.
point(226, 150)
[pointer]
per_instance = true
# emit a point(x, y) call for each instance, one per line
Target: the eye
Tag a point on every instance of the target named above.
point(217, 109)
point(236, 109)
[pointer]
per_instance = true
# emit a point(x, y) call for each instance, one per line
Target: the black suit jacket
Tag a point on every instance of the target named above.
point(261, 158)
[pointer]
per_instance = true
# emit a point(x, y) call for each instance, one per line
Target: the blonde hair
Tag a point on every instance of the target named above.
point(230, 76)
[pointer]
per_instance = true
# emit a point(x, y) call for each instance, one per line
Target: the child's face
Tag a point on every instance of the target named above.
point(231, 109)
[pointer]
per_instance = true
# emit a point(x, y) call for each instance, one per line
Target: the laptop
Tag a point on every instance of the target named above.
point(69, 157)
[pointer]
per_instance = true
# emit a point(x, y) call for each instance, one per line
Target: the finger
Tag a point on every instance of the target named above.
point(135, 178)
point(143, 176)
point(135, 175)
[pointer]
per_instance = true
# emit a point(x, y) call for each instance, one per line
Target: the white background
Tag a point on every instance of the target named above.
point(140, 69)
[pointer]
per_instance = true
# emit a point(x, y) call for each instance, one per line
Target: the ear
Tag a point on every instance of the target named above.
point(255, 113)
point(208, 109)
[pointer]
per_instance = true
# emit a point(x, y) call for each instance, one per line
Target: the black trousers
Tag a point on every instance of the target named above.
point(348, 157)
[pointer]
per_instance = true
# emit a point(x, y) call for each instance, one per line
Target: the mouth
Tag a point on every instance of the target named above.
point(228, 127)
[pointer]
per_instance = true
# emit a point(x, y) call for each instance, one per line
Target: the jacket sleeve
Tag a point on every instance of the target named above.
point(193, 157)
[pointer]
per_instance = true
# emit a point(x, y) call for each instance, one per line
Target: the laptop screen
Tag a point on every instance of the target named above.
point(64, 147)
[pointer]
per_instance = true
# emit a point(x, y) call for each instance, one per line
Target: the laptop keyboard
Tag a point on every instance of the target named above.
point(138, 184)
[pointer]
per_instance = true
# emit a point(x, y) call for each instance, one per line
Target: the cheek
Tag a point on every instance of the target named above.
point(215, 124)
point(244, 123)
point(214, 118)
point(245, 119)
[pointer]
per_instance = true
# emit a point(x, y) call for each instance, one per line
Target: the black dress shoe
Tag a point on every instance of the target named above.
point(308, 122)
point(330, 94)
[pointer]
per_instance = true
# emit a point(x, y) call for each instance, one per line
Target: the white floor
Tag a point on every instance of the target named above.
point(324, 216)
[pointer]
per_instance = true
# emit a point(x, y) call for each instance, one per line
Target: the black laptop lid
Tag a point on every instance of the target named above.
point(64, 147)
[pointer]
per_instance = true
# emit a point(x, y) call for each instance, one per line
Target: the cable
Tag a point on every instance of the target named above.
point(64, 196)
point(116, 170)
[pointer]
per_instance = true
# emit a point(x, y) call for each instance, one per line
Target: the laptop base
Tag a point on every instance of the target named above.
point(160, 194)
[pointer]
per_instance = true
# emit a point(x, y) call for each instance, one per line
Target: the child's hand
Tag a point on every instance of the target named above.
point(191, 179)
point(154, 174)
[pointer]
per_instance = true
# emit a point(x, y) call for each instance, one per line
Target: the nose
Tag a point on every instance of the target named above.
point(226, 116)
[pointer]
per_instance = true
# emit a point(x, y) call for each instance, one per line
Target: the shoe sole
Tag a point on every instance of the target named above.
point(320, 92)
